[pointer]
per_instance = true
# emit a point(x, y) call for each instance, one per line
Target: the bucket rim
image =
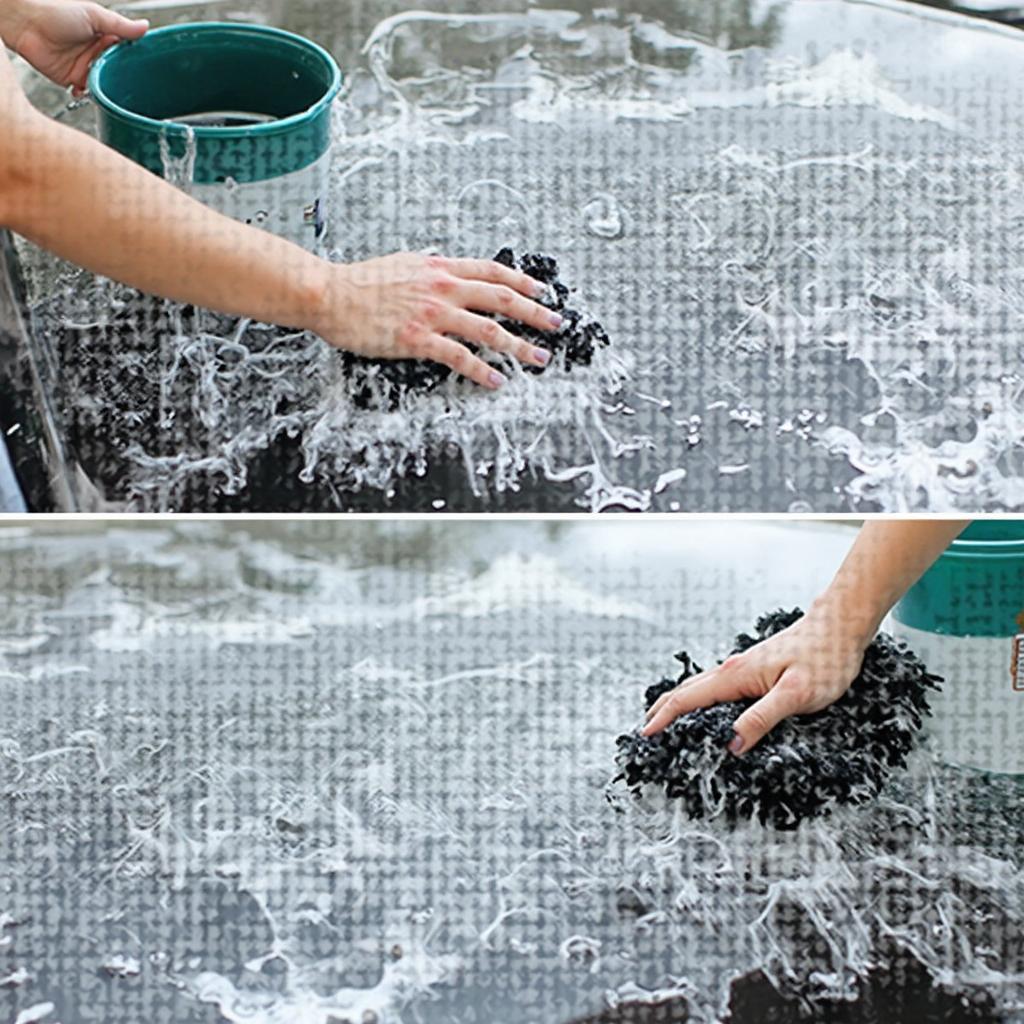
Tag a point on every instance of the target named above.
point(967, 549)
point(167, 127)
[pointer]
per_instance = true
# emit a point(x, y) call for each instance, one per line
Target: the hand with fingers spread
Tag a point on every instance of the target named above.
point(61, 38)
point(808, 666)
point(800, 670)
point(410, 306)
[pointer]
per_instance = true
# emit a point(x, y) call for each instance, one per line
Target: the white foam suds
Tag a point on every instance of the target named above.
point(499, 437)
point(918, 473)
point(671, 477)
point(514, 583)
point(843, 79)
point(401, 981)
point(134, 628)
point(120, 966)
point(34, 1014)
point(17, 977)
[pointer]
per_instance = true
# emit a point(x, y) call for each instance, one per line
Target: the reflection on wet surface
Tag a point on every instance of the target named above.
point(313, 773)
point(797, 230)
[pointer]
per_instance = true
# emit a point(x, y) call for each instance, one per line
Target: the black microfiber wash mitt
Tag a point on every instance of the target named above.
point(577, 339)
point(807, 764)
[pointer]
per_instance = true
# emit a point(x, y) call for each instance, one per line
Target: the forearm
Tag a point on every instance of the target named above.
point(886, 560)
point(90, 205)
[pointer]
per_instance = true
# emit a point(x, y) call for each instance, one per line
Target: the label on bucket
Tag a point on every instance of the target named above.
point(293, 206)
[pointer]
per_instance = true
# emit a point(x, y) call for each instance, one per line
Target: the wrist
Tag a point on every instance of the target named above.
point(851, 618)
point(324, 294)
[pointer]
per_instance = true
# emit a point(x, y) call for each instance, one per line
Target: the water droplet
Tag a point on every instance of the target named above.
point(749, 419)
point(602, 217)
point(120, 966)
point(671, 477)
point(15, 978)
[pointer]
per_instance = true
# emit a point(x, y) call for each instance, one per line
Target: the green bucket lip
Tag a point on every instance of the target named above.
point(976, 586)
point(270, 128)
point(987, 549)
point(991, 534)
point(970, 548)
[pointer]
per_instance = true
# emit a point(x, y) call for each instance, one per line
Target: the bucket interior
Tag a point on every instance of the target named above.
point(189, 72)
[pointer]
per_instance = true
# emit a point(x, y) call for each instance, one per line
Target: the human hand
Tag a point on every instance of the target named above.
point(61, 38)
point(412, 306)
point(803, 669)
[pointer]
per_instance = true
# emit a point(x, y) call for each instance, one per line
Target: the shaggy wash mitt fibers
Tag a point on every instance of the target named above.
point(575, 341)
point(803, 767)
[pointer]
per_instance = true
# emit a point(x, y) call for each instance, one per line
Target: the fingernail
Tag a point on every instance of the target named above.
point(542, 356)
point(540, 289)
point(555, 320)
point(495, 379)
point(736, 744)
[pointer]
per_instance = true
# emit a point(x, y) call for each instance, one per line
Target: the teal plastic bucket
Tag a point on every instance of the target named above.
point(965, 617)
point(238, 115)
point(976, 588)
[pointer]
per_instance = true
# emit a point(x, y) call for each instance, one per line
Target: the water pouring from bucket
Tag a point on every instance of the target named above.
point(252, 101)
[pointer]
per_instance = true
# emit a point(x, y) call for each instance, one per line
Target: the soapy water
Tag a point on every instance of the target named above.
point(292, 780)
point(804, 261)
